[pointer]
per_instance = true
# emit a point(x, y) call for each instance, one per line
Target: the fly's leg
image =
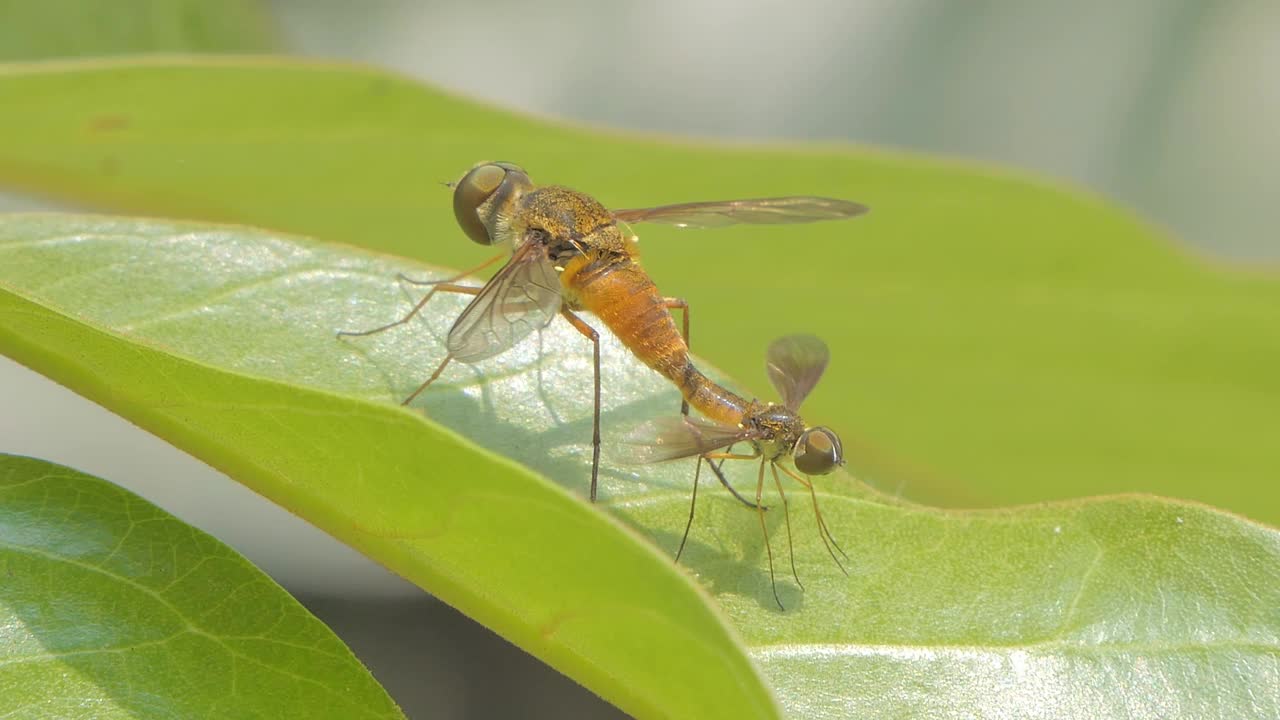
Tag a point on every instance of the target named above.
point(439, 369)
point(759, 506)
point(438, 287)
point(683, 305)
point(445, 285)
point(590, 333)
point(765, 531)
point(823, 531)
point(731, 456)
point(719, 471)
point(694, 500)
point(692, 504)
point(786, 514)
point(405, 278)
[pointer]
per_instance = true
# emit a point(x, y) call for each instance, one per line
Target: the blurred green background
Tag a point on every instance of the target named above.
point(1166, 106)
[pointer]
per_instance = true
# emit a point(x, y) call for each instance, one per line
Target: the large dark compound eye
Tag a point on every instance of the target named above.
point(818, 452)
point(483, 194)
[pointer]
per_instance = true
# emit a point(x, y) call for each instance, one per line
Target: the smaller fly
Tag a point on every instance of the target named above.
point(775, 433)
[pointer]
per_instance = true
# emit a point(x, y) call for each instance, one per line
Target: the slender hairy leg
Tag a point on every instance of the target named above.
point(732, 456)
point(591, 334)
point(440, 287)
point(786, 514)
point(692, 504)
point(439, 369)
point(719, 471)
point(683, 305)
point(765, 531)
point(722, 456)
point(455, 278)
point(823, 531)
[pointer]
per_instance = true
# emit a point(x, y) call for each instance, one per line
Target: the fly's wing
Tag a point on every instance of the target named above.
point(523, 297)
point(761, 211)
point(670, 438)
point(795, 364)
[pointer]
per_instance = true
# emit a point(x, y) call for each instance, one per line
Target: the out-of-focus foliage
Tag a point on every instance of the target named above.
point(32, 29)
point(112, 608)
point(995, 340)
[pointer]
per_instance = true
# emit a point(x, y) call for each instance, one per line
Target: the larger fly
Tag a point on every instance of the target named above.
point(569, 253)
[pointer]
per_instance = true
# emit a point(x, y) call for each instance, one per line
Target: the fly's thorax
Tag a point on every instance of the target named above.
point(573, 227)
point(777, 428)
point(568, 217)
point(781, 432)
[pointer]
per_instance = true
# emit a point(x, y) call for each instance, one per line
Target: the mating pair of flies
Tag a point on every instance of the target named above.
point(569, 253)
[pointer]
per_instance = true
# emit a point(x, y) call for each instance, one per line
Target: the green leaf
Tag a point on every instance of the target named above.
point(112, 608)
point(221, 340)
point(86, 28)
point(985, 330)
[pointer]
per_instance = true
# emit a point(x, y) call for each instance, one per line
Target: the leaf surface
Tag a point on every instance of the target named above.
point(221, 339)
point(112, 608)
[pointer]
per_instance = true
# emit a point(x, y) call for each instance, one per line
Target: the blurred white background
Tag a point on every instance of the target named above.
point(1168, 106)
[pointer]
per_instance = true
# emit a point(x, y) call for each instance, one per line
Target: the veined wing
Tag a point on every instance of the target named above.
point(760, 211)
point(523, 297)
point(795, 364)
point(670, 438)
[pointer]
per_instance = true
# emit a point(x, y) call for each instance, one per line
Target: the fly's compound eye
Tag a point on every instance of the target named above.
point(818, 452)
point(483, 194)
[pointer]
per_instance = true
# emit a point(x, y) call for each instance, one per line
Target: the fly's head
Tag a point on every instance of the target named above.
point(486, 198)
point(817, 451)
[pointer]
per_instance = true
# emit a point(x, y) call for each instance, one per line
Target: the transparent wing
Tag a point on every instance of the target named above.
point(523, 297)
point(670, 438)
point(795, 364)
point(761, 211)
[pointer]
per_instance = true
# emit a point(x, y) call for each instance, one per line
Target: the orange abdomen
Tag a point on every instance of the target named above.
point(627, 301)
point(624, 298)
